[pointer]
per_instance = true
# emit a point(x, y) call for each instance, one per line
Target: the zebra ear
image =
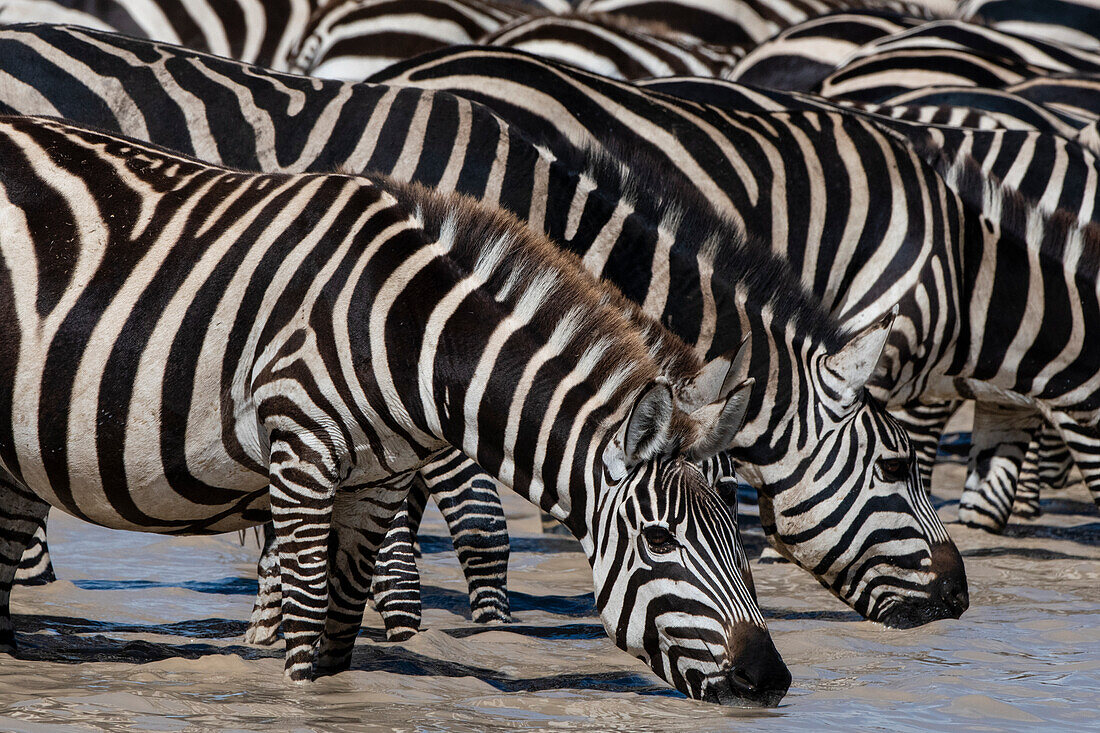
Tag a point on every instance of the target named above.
point(855, 363)
point(649, 424)
point(715, 380)
point(719, 422)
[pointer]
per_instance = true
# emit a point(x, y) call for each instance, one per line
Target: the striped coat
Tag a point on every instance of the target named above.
point(589, 206)
point(198, 349)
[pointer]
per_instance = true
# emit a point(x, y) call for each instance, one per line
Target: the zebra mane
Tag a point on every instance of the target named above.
point(518, 263)
point(765, 280)
point(1021, 218)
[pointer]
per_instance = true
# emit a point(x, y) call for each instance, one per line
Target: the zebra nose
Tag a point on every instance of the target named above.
point(950, 588)
point(758, 677)
point(951, 591)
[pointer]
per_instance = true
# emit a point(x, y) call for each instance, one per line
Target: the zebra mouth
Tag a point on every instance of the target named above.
point(735, 690)
point(911, 615)
point(948, 598)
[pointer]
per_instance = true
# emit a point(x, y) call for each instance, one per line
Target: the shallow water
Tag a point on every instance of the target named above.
point(144, 633)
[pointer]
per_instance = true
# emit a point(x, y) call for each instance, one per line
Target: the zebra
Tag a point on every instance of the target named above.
point(1072, 22)
point(260, 325)
point(948, 52)
point(744, 23)
point(606, 45)
point(914, 576)
point(1041, 167)
point(465, 71)
point(266, 32)
point(801, 56)
point(352, 38)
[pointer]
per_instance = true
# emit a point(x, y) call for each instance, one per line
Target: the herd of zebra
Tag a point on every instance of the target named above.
point(310, 264)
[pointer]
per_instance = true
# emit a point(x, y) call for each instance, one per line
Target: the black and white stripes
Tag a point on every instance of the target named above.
point(227, 342)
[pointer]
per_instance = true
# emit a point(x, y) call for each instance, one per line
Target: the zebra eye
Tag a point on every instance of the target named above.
point(892, 470)
point(659, 540)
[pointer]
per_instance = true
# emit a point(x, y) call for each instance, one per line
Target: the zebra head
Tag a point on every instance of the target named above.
point(671, 578)
point(843, 498)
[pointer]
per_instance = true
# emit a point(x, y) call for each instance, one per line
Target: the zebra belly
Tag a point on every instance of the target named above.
point(154, 461)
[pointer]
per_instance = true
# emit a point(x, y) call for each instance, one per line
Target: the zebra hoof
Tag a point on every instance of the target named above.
point(299, 676)
point(400, 633)
point(491, 615)
point(1027, 511)
point(976, 518)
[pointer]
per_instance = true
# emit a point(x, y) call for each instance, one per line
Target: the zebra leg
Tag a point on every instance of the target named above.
point(21, 514)
point(263, 626)
point(359, 527)
point(1055, 461)
point(395, 585)
point(1048, 467)
point(1026, 504)
point(302, 498)
point(36, 568)
point(925, 424)
point(1083, 443)
point(470, 503)
point(1001, 436)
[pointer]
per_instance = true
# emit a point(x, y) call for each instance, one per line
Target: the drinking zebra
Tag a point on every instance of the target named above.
point(190, 349)
point(716, 150)
point(862, 525)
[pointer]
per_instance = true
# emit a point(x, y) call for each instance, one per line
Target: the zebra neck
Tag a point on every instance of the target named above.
point(1030, 304)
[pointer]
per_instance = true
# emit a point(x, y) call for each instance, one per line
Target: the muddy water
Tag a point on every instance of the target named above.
point(144, 633)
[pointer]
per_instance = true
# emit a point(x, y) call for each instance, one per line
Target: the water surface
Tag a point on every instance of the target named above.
point(145, 633)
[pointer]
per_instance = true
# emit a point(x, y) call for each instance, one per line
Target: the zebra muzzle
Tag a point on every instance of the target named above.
point(759, 678)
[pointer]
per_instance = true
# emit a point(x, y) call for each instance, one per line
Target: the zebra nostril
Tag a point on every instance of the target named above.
point(741, 680)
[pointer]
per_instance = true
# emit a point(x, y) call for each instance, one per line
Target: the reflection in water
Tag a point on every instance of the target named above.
point(144, 632)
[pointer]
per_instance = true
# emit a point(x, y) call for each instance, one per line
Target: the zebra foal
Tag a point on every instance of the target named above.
point(191, 349)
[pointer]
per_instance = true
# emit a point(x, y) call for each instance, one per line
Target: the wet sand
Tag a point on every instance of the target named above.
point(145, 633)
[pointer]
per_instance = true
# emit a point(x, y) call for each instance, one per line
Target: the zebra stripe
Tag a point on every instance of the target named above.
point(264, 33)
point(332, 304)
point(605, 45)
point(744, 23)
point(35, 567)
point(1074, 22)
point(354, 38)
point(588, 206)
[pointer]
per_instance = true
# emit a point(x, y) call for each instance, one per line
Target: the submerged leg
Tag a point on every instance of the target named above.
point(36, 568)
point(470, 503)
point(1084, 447)
point(1000, 438)
point(1026, 504)
point(21, 514)
point(302, 497)
point(263, 626)
point(395, 586)
point(360, 522)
